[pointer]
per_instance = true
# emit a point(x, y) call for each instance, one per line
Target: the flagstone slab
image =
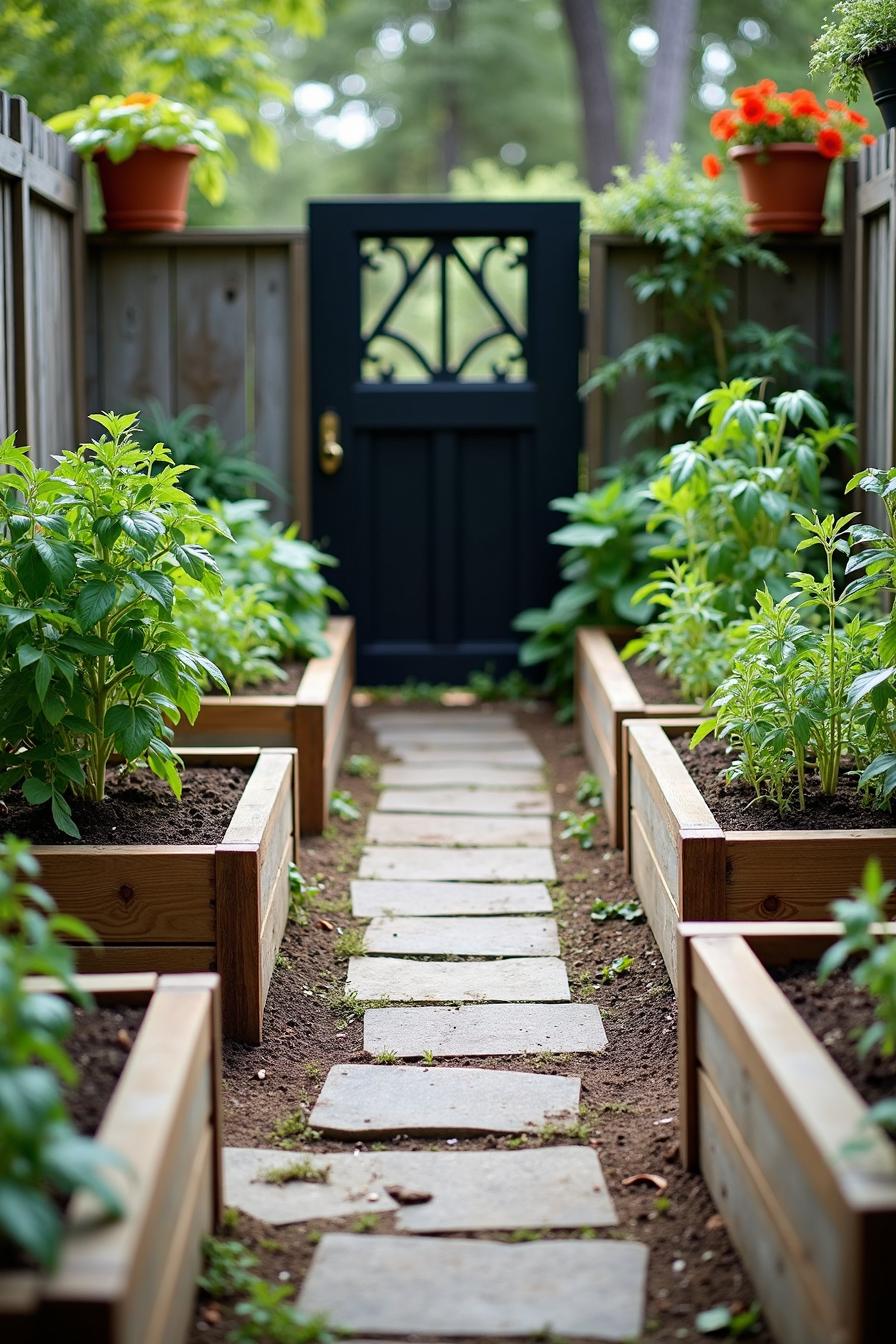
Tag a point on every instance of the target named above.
point(428, 864)
point(415, 828)
point(486, 739)
point(378, 1100)
point(481, 1289)
point(406, 899)
point(468, 1191)
point(472, 775)
point(439, 718)
point(488, 936)
point(468, 802)
point(485, 1029)
point(516, 980)
point(419, 753)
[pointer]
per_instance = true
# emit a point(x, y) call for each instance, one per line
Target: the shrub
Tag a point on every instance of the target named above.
point(90, 660)
point(42, 1157)
point(856, 29)
point(220, 470)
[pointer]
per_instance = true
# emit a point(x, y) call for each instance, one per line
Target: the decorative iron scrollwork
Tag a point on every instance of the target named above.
point(444, 310)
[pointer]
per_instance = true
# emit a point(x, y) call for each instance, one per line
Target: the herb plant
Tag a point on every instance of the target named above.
point(242, 633)
point(221, 470)
point(91, 662)
point(42, 1157)
point(869, 945)
point(856, 30)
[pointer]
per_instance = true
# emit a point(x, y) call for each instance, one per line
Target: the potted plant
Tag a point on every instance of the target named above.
point(720, 515)
point(100, 1231)
point(781, 813)
point(783, 145)
point(92, 669)
point(795, 1156)
point(144, 147)
point(290, 664)
point(860, 37)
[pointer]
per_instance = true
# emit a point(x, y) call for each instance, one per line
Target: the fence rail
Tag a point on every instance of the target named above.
point(41, 284)
point(875, 301)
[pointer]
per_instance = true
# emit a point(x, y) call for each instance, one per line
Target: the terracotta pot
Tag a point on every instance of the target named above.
point(880, 72)
point(147, 192)
point(785, 185)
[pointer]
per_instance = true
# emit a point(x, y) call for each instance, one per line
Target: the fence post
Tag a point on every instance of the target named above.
point(23, 316)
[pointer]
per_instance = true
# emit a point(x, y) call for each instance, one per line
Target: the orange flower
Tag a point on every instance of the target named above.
point(723, 125)
point(803, 103)
point(766, 87)
point(712, 166)
point(774, 118)
point(141, 99)
point(868, 139)
point(856, 118)
point(835, 106)
point(830, 142)
point(748, 91)
point(753, 109)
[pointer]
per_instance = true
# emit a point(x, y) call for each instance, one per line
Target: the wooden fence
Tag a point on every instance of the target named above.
point(807, 296)
point(875, 302)
point(213, 318)
point(41, 284)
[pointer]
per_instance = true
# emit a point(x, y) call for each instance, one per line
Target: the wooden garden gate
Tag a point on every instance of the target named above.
point(444, 367)
point(875, 289)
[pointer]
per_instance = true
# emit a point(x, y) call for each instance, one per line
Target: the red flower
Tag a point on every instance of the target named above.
point(830, 142)
point(868, 139)
point(803, 103)
point(774, 118)
point(856, 117)
point(723, 125)
point(753, 109)
point(712, 166)
point(766, 87)
point(835, 106)
point(748, 91)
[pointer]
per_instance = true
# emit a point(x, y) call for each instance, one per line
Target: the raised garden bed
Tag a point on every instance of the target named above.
point(768, 1117)
point(189, 907)
point(688, 867)
point(606, 695)
point(132, 1281)
point(314, 719)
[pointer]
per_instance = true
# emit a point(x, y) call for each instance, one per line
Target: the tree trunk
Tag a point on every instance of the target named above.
point(451, 134)
point(667, 81)
point(588, 39)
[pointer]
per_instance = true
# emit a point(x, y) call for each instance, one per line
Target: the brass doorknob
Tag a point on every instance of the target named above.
point(330, 452)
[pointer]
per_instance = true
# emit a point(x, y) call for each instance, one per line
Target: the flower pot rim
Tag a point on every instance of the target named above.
point(875, 54)
point(783, 147)
point(190, 150)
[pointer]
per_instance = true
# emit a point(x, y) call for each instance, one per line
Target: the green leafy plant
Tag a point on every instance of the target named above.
point(343, 806)
point(264, 1312)
point(856, 30)
point(871, 949)
point(221, 470)
point(730, 1322)
point(579, 827)
point(43, 1159)
point(91, 662)
point(488, 688)
point(618, 966)
point(301, 1169)
point(301, 895)
point(589, 790)
point(630, 911)
point(361, 767)
point(119, 125)
point(241, 632)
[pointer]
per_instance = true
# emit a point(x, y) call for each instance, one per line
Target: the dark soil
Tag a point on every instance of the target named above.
point(652, 686)
point(139, 810)
point(838, 1012)
point(736, 808)
point(294, 673)
point(99, 1047)
point(628, 1094)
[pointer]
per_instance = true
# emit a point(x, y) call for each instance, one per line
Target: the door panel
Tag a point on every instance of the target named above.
point(445, 337)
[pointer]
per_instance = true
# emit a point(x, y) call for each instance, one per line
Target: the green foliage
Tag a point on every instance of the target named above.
point(856, 29)
point(119, 125)
point(728, 1322)
point(488, 688)
point(301, 895)
point(871, 949)
point(238, 630)
point(221, 470)
point(589, 790)
point(43, 1159)
point(580, 828)
point(618, 966)
point(228, 1268)
point(300, 1169)
point(91, 662)
point(630, 911)
point(343, 806)
point(264, 1312)
point(605, 561)
point(361, 767)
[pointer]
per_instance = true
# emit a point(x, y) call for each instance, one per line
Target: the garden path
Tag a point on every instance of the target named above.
point(461, 929)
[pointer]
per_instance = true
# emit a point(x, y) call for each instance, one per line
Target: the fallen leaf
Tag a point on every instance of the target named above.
point(402, 1195)
point(325, 924)
point(647, 1178)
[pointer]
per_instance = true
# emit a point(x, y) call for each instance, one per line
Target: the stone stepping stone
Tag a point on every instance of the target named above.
point(488, 936)
point(370, 899)
point(401, 980)
point(485, 1029)
point(468, 802)
point(409, 863)
point(439, 718)
point(486, 738)
point(379, 1100)
point(469, 1191)
point(421, 753)
point(480, 1289)
point(478, 775)
point(412, 828)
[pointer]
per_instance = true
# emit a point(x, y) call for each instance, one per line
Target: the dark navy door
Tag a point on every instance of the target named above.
point(444, 365)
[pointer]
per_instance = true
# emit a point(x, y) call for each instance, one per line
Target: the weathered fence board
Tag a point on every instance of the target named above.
point(875, 304)
point(41, 286)
point(208, 318)
point(808, 296)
